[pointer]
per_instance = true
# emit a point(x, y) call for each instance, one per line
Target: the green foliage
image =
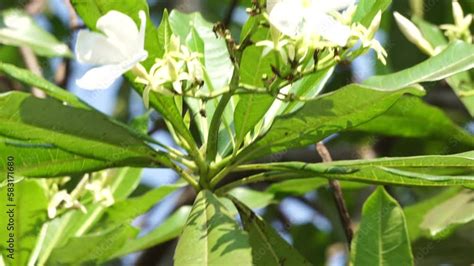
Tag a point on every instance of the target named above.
point(211, 236)
point(28, 203)
point(258, 96)
point(18, 29)
point(328, 114)
point(456, 58)
point(51, 123)
point(382, 238)
point(268, 248)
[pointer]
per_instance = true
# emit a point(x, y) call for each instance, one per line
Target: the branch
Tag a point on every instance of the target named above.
point(338, 196)
point(31, 62)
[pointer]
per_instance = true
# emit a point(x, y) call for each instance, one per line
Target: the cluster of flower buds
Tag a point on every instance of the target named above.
point(298, 28)
point(179, 72)
point(460, 30)
point(96, 185)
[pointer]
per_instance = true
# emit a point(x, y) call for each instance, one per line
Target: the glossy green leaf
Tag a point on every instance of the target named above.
point(18, 29)
point(300, 187)
point(252, 198)
point(94, 248)
point(455, 211)
point(123, 212)
point(415, 213)
point(36, 159)
point(456, 58)
point(413, 118)
point(29, 213)
point(217, 76)
point(47, 121)
point(268, 248)
point(211, 236)
point(434, 170)
point(327, 114)
point(382, 237)
point(168, 230)
point(368, 9)
point(27, 77)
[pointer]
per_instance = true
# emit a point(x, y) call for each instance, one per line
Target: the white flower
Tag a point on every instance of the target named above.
point(309, 18)
point(119, 49)
point(66, 200)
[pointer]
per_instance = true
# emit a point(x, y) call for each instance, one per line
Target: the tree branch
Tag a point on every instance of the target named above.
point(338, 196)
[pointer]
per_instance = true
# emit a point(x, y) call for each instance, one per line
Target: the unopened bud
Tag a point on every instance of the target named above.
point(374, 26)
point(413, 34)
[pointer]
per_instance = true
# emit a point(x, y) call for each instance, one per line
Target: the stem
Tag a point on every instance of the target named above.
point(338, 196)
point(187, 177)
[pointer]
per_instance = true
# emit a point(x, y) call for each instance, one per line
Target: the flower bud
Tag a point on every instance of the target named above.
point(413, 34)
point(374, 26)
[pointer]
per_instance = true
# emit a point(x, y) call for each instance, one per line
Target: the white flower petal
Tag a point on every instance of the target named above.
point(141, 34)
point(100, 78)
point(287, 17)
point(121, 30)
point(95, 48)
point(330, 29)
point(332, 5)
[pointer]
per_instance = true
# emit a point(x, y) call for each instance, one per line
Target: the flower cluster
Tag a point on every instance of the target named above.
point(177, 73)
point(96, 185)
point(309, 25)
point(460, 30)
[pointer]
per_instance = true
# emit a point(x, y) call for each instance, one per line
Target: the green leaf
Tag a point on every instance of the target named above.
point(382, 238)
point(252, 198)
point(217, 76)
point(415, 213)
point(450, 213)
point(168, 230)
point(164, 33)
point(29, 213)
point(93, 248)
point(123, 212)
point(463, 86)
point(211, 236)
point(413, 118)
point(36, 159)
point(300, 187)
point(27, 77)
point(327, 114)
point(47, 121)
point(368, 9)
point(268, 248)
point(456, 58)
point(435, 170)
point(18, 29)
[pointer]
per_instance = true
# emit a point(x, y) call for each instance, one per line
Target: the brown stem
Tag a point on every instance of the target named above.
point(31, 62)
point(338, 196)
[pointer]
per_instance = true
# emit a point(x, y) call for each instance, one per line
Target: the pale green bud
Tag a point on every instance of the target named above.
point(413, 34)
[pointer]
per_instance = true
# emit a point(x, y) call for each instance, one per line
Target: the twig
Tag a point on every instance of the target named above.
point(338, 196)
point(31, 62)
